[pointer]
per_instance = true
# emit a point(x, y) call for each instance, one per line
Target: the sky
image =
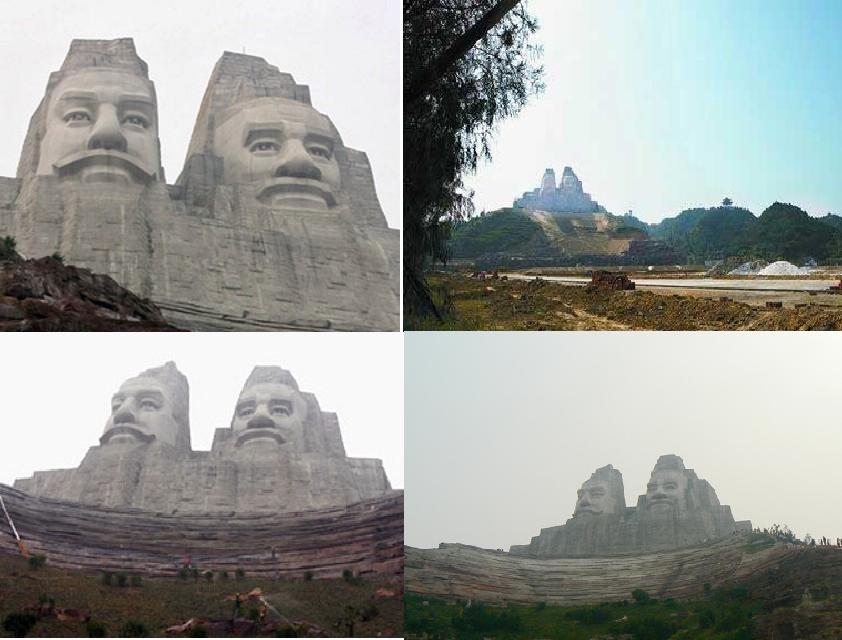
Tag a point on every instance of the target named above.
point(347, 51)
point(503, 428)
point(56, 388)
point(660, 106)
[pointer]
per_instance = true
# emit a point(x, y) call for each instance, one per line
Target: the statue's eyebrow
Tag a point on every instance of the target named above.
point(253, 132)
point(322, 138)
point(78, 95)
point(137, 97)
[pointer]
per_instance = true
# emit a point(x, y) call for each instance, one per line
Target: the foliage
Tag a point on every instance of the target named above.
point(135, 580)
point(107, 577)
point(122, 580)
point(134, 629)
point(448, 131)
point(240, 574)
point(37, 561)
point(19, 624)
point(7, 248)
point(308, 575)
point(640, 596)
point(502, 231)
point(223, 575)
point(198, 632)
point(96, 629)
point(57, 256)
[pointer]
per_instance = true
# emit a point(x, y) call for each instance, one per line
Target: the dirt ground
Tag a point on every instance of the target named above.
point(507, 305)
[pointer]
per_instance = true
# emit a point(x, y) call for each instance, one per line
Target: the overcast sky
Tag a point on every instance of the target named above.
point(55, 389)
point(348, 51)
point(661, 105)
point(503, 428)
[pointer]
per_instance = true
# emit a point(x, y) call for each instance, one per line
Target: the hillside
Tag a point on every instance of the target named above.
point(540, 234)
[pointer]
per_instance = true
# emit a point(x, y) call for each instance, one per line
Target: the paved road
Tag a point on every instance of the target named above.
point(795, 286)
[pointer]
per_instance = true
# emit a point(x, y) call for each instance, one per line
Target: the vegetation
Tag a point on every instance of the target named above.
point(467, 65)
point(19, 624)
point(502, 231)
point(722, 614)
point(37, 561)
point(7, 248)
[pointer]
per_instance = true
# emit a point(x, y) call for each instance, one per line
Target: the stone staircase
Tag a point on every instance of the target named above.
point(456, 571)
point(365, 538)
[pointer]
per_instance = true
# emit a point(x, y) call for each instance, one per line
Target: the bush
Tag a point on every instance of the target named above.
point(57, 256)
point(308, 575)
point(183, 573)
point(640, 596)
point(134, 629)
point(19, 624)
point(370, 612)
point(707, 618)
point(198, 632)
point(96, 629)
point(589, 615)
point(650, 628)
point(7, 248)
point(286, 632)
point(208, 575)
point(136, 580)
point(240, 574)
point(107, 577)
point(122, 580)
point(194, 573)
point(36, 561)
point(540, 606)
point(223, 575)
point(253, 614)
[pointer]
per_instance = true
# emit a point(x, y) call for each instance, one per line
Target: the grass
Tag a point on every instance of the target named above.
point(162, 602)
point(723, 615)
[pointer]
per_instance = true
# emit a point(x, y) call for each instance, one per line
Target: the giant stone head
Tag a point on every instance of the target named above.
point(151, 407)
point(270, 410)
point(601, 494)
point(668, 486)
point(98, 121)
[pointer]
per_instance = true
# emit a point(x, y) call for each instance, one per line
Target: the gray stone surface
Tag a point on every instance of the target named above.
point(679, 509)
point(281, 453)
point(272, 224)
point(567, 197)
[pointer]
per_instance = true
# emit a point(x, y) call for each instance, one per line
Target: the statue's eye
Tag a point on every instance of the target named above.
point(136, 121)
point(246, 411)
point(279, 410)
point(77, 116)
point(320, 152)
point(264, 147)
point(148, 405)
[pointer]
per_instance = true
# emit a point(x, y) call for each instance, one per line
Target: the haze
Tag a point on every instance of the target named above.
point(499, 439)
point(660, 106)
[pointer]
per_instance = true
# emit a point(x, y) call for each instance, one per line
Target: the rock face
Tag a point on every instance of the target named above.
point(272, 224)
point(281, 453)
point(678, 510)
point(568, 197)
point(365, 538)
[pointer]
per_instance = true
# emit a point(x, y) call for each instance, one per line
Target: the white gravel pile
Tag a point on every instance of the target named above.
point(783, 268)
point(745, 269)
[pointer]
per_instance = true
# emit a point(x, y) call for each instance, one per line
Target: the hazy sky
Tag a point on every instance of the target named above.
point(503, 428)
point(660, 105)
point(56, 388)
point(348, 51)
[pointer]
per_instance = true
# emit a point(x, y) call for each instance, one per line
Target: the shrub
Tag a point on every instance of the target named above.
point(57, 256)
point(650, 628)
point(223, 575)
point(208, 575)
point(122, 580)
point(96, 629)
point(707, 618)
point(19, 624)
point(134, 629)
point(136, 580)
point(253, 614)
point(7, 248)
point(198, 632)
point(540, 606)
point(183, 573)
point(194, 573)
point(308, 575)
point(37, 561)
point(370, 612)
point(107, 577)
point(589, 615)
point(286, 632)
point(240, 574)
point(640, 596)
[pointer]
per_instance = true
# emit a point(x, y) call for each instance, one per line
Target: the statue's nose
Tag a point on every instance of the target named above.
point(297, 163)
point(125, 414)
point(106, 133)
point(260, 421)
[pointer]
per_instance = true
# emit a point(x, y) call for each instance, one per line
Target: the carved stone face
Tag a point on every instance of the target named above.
point(667, 489)
point(269, 412)
point(141, 411)
point(101, 126)
point(283, 146)
point(595, 498)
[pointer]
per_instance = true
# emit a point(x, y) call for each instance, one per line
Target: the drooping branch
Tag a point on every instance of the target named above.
point(428, 77)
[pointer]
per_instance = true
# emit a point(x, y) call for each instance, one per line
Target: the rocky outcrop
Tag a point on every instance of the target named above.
point(47, 295)
point(456, 571)
point(365, 538)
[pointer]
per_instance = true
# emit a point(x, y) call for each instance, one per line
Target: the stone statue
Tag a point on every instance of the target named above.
point(567, 198)
point(151, 407)
point(281, 453)
point(270, 409)
point(678, 510)
point(601, 494)
point(273, 223)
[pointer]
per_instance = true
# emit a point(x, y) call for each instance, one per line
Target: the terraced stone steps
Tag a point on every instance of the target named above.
point(456, 571)
point(365, 538)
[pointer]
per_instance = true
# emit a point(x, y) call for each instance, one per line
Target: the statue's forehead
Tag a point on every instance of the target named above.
point(279, 111)
point(103, 85)
point(668, 474)
point(142, 384)
point(593, 483)
point(268, 390)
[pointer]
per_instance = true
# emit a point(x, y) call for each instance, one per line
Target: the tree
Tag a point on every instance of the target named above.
point(467, 65)
point(727, 202)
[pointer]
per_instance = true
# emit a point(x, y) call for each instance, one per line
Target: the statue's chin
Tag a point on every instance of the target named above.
point(297, 193)
point(252, 437)
point(109, 175)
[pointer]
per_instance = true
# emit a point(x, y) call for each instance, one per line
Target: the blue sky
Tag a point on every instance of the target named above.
point(659, 106)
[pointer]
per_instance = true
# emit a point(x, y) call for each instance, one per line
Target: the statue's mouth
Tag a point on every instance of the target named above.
point(259, 434)
point(125, 433)
point(660, 502)
point(588, 509)
point(100, 165)
point(297, 192)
